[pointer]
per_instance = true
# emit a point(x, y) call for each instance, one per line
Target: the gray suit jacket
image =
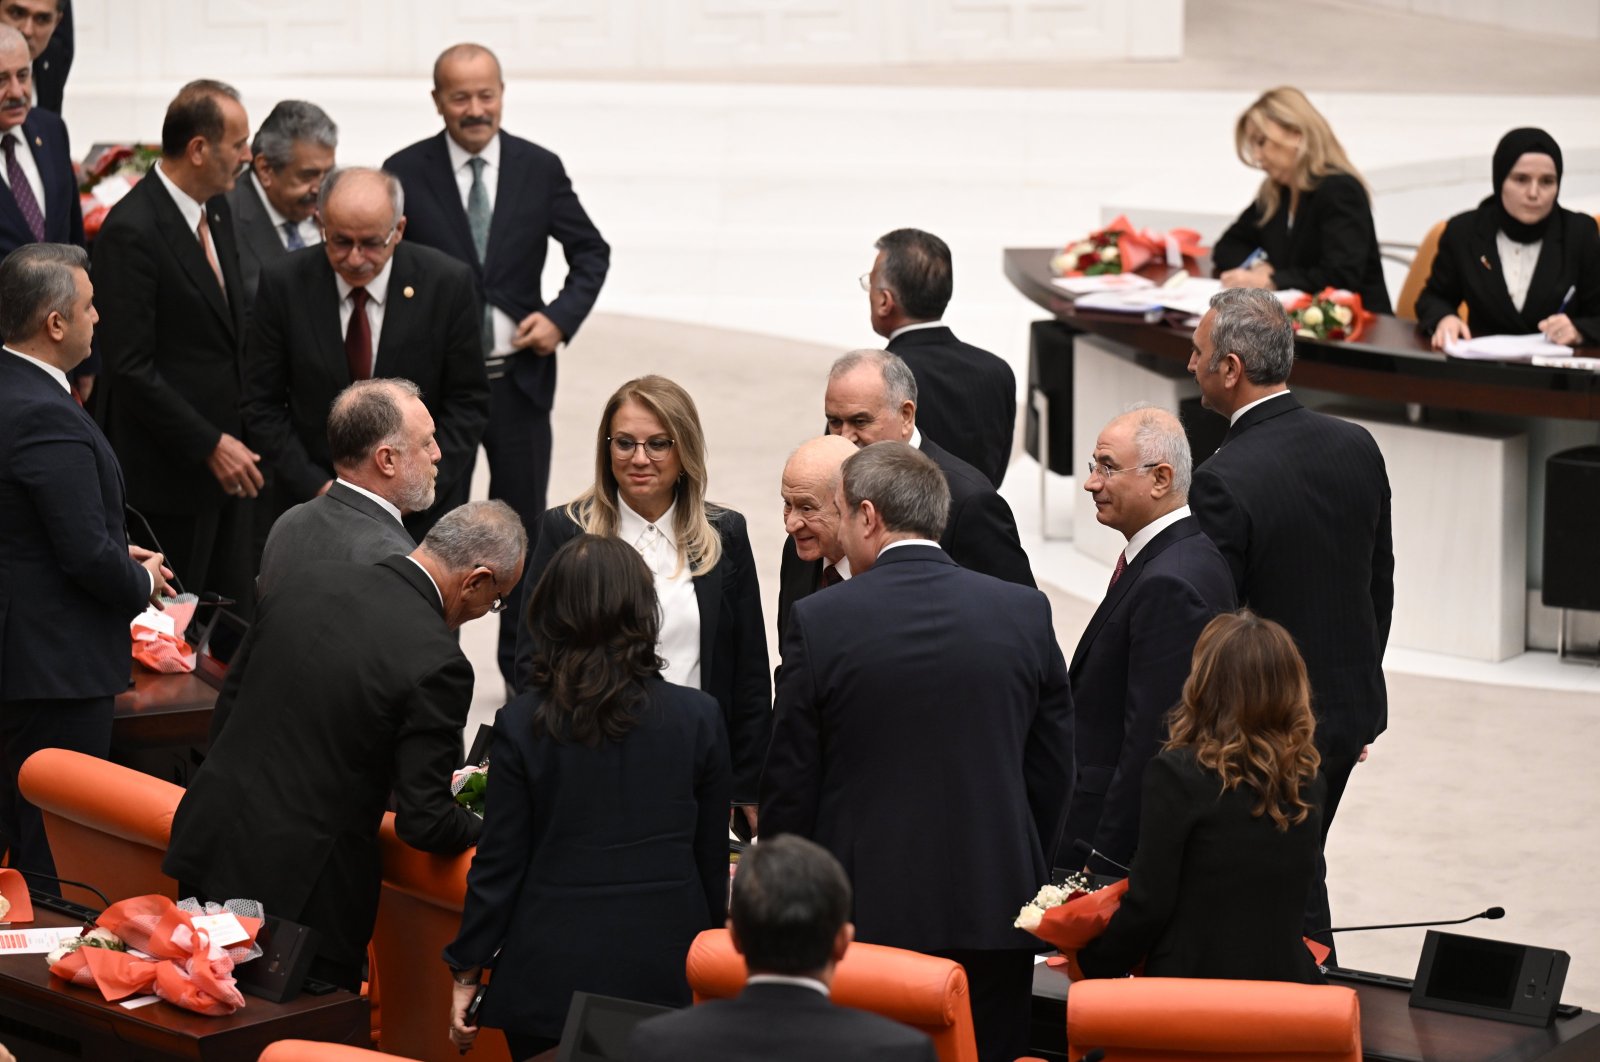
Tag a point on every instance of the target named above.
point(259, 242)
point(341, 525)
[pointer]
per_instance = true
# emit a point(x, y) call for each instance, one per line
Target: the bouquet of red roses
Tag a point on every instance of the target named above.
point(1331, 313)
point(1120, 248)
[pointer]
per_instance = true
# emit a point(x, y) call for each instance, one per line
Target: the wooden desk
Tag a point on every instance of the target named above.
point(1391, 1031)
point(44, 1018)
point(160, 711)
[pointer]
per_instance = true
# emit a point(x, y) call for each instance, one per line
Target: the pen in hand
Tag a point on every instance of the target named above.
point(1255, 258)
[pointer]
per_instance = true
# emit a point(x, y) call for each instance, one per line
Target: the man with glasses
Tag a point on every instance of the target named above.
point(364, 304)
point(1132, 660)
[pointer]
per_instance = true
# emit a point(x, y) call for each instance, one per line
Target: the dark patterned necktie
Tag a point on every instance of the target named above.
point(1116, 573)
point(358, 337)
point(22, 191)
point(292, 238)
point(830, 576)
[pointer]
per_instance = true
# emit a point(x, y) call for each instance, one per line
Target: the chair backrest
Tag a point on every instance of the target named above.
point(927, 993)
point(419, 912)
point(107, 825)
point(316, 1051)
point(1180, 1019)
point(1405, 307)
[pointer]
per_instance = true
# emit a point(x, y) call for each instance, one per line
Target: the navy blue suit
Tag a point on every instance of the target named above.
point(533, 204)
point(67, 587)
point(46, 136)
point(1127, 672)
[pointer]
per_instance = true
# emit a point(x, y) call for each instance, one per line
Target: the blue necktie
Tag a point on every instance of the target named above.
point(291, 230)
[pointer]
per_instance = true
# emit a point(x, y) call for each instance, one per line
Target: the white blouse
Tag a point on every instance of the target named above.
point(1516, 265)
point(679, 643)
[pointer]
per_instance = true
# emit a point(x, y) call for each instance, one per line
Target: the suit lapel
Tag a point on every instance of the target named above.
point(441, 181)
point(1546, 272)
point(400, 317)
point(419, 580)
point(515, 172)
point(1490, 283)
point(254, 226)
point(44, 158)
point(1175, 532)
point(708, 595)
point(1264, 412)
point(322, 312)
point(185, 246)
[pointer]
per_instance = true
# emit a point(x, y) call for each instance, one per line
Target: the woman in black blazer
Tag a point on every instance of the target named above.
point(1519, 261)
point(650, 491)
point(1231, 825)
point(1310, 226)
point(604, 848)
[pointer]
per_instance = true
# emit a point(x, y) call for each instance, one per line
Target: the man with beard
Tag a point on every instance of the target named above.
point(381, 440)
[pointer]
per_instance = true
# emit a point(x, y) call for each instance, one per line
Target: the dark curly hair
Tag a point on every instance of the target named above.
point(593, 616)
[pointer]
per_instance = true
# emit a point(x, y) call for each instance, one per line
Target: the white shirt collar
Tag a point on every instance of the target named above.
point(903, 329)
point(377, 287)
point(630, 525)
point(916, 438)
point(429, 574)
point(460, 156)
point(55, 373)
point(1242, 410)
point(191, 208)
point(909, 542)
point(1141, 538)
point(388, 506)
point(278, 220)
point(842, 566)
point(783, 979)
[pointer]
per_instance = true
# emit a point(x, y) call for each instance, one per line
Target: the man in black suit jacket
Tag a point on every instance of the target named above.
point(923, 734)
point(47, 27)
point(1298, 503)
point(872, 397)
point(380, 437)
point(274, 207)
point(967, 397)
point(790, 919)
point(350, 686)
point(418, 321)
point(495, 201)
point(167, 283)
point(70, 582)
point(46, 210)
point(1131, 663)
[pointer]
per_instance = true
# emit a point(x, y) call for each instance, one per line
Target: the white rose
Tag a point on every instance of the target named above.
point(1050, 896)
point(1342, 314)
point(1311, 316)
point(1082, 247)
point(1061, 263)
point(1029, 918)
point(1308, 333)
point(1108, 254)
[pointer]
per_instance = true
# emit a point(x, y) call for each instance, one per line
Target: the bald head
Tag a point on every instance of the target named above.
point(810, 506)
point(1142, 469)
point(363, 218)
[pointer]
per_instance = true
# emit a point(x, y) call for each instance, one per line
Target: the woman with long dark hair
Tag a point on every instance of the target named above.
point(1231, 824)
point(604, 847)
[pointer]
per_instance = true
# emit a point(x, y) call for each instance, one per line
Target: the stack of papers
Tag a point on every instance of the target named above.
point(1103, 282)
point(1507, 348)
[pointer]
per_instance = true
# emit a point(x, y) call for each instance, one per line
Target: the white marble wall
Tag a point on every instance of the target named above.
point(1560, 18)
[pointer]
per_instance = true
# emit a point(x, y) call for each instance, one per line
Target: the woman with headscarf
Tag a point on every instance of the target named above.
point(1520, 261)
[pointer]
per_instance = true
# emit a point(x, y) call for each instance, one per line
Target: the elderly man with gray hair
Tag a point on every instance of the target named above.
point(380, 437)
point(923, 734)
point(350, 685)
point(1132, 660)
point(1298, 503)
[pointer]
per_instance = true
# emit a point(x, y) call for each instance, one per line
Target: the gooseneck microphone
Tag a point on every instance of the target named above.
point(1090, 852)
point(1491, 913)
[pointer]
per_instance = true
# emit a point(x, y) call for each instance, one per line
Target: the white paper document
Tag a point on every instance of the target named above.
point(1506, 348)
point(1103, 282)
point(1144, 301)
point(35, 941)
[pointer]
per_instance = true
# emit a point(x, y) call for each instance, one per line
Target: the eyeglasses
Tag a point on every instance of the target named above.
point(866, 282)
point(655, 449)
point(498, 605)
point(343, 245)
point(1106, 471)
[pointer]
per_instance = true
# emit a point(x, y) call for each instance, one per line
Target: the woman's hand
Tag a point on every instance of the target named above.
point(1560, 329)
point(1257, 276)
point(461, 1034)
point(1449, 330)
point(1074, 971)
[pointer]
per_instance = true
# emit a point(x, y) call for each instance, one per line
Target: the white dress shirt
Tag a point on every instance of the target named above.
point(30, 167)
point(191, 208)
point(909, 542)
point(903, 329)
point(1516, 265)
point(377, 296)
point(1248, 406)
point(505, 328)
point(783, 979)
point(679, 643)
point(1141, 538)
point(388, 506)
point(309, 233)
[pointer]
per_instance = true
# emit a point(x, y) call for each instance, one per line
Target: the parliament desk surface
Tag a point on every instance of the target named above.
point(43, 1018)
point(1391, 1029)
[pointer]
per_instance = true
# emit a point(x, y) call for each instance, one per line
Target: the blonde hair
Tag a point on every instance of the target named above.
point(1318, 155)
point(1246, 713)
point(595, 510)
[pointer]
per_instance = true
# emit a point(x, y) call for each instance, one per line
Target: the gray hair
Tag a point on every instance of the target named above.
point(291, 121)
point(904, 485)
point(1160, 440)
point(365, 416)
point(1252, 323)
point(916, 267)
point(486, 533)
point(899, 385)
point(36, 280)
point(397, 194)
point(10, 36)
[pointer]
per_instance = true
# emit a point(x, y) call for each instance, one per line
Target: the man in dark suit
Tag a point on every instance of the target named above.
point(872, 397)
point(274, 207)
point(380, 437)
point(967, 396)
point(1298, 503)
point(1131, 663)
point(495, 201)
point(417, 319)
point(923, 734)
point(813, 556)
point(790, 919)
point(70, 583)
point(167, 283)
point(47, 27)
point(350, 686)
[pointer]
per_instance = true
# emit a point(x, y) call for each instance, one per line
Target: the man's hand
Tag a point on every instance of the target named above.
point(324, 488)
point(1257, 276)
point(461, 1034)
point(750, 816)
point(152, 562)
point(1448, 330)
point(1365, 750)
point(83, 387)
point(234, 465)
point(537, 333)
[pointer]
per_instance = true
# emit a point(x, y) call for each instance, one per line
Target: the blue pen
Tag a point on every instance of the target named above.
point(1567, 299)
point(1256, 257)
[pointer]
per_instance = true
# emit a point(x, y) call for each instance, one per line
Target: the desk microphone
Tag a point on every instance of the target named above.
point(1090, 852)
point(155, 544)
point(1491, 913)
point(55, 902)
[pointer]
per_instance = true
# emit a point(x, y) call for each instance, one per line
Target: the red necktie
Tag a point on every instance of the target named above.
point(1116, 573)
point(358, 337)
point(22, 191)
point(830, 575)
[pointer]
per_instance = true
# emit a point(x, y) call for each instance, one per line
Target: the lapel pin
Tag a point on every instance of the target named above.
point(410, 291)
point(38, 141)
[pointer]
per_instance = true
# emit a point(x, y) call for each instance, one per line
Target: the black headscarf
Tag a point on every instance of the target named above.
point(1512, 147)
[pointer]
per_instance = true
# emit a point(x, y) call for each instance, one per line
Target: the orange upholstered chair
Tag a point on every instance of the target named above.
point(1179, 1019)
point(108, 826)
point(314, 1051)
point(927, 993)
point(1405, 307)
point(418, 914)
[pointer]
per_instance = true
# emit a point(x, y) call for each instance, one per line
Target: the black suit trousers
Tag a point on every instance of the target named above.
point(518, 442)
point(25, 728)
